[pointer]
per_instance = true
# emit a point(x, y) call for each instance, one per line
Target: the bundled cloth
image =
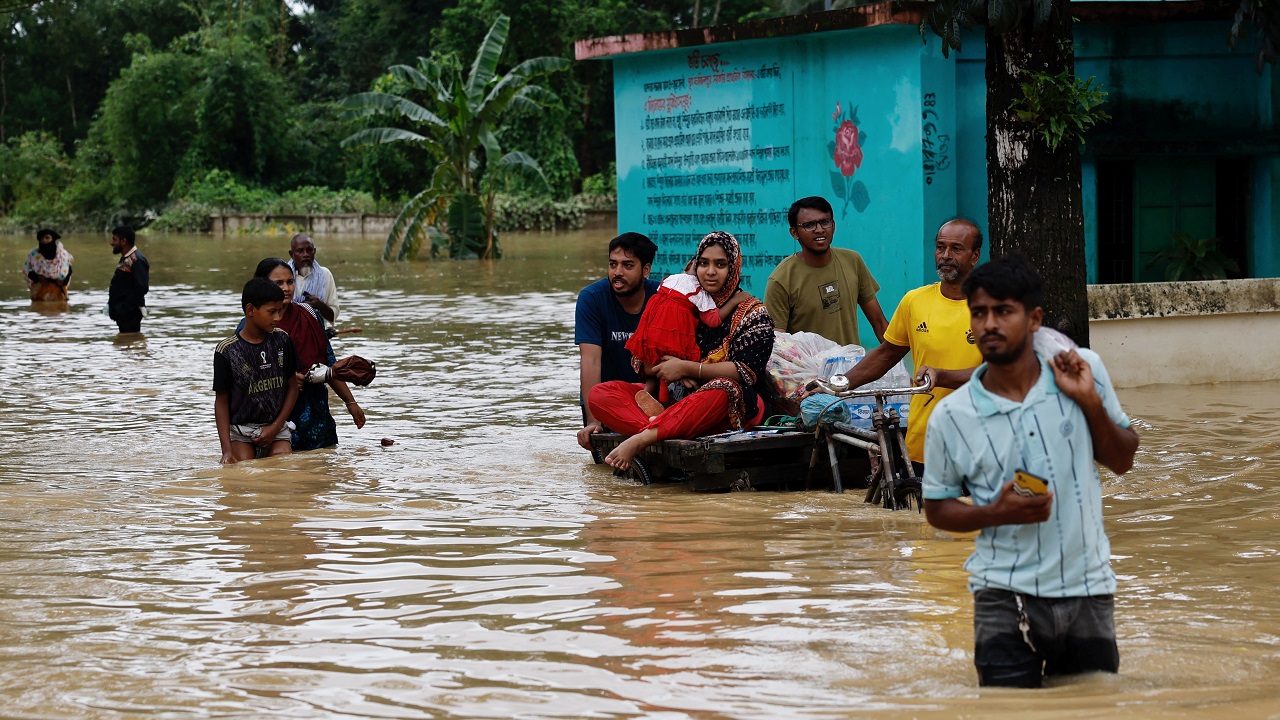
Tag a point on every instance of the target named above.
point(353, 369)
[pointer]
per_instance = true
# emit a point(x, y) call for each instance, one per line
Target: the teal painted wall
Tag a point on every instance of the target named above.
point(1175, 88)
point(711, 138)
point(694, 133)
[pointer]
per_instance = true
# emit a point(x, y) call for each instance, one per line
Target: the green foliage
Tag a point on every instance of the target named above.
point(146, 98)
point(550, 146)
point(145, 126)
point(1261, 19)
point(241, 112)
point(1192, 259)
point(515, 212)
point(604, 184)
point(1060, 106)
point(456, 117)
point(34, 171)
point(467, 232)
point(219, 192)
point(59, 56)
point(949, 18)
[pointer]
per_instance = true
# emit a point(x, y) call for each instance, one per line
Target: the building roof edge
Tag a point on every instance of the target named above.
point(888, 12)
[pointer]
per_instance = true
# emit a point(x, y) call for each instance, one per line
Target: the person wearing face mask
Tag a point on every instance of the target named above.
point(932, 323)
point(48, 268)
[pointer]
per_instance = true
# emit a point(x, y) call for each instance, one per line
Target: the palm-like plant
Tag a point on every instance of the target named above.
point(1190, 258)
point(457, 122)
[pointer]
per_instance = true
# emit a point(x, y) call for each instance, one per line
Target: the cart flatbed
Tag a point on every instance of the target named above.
point(758, 459)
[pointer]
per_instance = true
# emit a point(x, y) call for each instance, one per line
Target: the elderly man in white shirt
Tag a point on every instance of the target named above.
point(315, 285)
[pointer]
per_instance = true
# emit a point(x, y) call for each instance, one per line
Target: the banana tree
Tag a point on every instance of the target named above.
point(456, 116)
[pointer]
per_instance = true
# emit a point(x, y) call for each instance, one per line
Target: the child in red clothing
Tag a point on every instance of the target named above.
point(669, 326)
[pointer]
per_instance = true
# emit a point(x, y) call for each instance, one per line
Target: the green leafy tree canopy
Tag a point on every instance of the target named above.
point(456, 116)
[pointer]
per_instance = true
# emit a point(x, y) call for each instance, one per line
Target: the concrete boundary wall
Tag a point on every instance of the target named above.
point(316, 224)
point(350, 223)
point(1187, 333)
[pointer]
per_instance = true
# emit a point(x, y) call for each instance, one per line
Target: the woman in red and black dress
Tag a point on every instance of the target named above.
point(724, 381)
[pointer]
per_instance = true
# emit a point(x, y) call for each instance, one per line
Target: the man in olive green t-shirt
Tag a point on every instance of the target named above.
point(820, 288)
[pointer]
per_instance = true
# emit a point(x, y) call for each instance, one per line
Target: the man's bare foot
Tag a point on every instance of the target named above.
point(627, 450)
point(652, 408)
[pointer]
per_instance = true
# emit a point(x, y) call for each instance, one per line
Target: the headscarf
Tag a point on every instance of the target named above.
point(304, 328)
point(299, 320)
point(50, 249)
point(729, 244)
point(746, 339)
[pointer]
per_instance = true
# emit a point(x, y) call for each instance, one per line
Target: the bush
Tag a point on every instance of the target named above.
point(319, 199)
point(603, 184)
point(600, 191)
point(219, 192)
point(34, 171)
point(538, 213)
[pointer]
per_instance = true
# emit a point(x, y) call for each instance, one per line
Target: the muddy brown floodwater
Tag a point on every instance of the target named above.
point(480, 567)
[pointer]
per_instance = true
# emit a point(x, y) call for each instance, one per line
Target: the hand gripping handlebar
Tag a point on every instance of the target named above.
point(838, 386)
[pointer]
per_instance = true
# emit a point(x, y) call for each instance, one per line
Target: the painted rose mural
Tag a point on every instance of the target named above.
point(846, 153)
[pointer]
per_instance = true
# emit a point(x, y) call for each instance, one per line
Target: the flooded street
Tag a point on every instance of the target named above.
point(481, 567)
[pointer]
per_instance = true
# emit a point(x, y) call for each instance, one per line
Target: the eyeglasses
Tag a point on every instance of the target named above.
point(812, 225)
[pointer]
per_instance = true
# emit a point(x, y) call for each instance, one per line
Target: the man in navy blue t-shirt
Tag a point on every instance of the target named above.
point(608, 313)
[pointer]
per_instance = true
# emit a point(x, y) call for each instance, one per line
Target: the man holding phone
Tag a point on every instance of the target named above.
point(1022, 437)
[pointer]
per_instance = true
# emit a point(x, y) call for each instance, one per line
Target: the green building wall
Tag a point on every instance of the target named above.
point(1176, 91)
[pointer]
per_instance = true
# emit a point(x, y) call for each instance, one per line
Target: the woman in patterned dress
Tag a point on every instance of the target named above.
point(48, 267)
point(724, 382)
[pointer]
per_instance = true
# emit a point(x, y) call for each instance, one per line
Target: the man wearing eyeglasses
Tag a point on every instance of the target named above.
point(820, 288)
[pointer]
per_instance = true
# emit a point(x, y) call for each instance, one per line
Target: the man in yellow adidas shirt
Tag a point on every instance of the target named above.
point(932, 323)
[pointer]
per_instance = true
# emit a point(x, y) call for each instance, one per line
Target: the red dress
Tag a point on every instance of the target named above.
point(669, 325)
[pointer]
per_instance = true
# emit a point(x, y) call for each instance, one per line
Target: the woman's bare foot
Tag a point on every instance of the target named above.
point(627, 450)
point(652, 408)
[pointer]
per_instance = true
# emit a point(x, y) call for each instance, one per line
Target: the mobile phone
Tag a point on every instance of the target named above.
point(1024, 483)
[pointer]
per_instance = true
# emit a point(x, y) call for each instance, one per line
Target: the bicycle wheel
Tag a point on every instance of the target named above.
point(908, 493)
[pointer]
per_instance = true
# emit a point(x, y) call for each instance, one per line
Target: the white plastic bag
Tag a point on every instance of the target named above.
point(800, 357)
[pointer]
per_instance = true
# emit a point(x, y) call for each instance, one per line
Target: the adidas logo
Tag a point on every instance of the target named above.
point(922, 328)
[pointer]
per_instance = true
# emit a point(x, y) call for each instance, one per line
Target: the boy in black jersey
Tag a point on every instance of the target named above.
point(256, 378)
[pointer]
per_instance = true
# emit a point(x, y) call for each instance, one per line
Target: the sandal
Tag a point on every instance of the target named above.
point(649, 406)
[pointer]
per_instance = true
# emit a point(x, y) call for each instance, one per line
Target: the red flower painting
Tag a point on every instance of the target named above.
point(846, 153)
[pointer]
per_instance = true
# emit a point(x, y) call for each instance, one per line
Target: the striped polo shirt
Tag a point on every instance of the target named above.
point(977, 440)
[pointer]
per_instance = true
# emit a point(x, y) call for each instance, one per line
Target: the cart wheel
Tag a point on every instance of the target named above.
point(637, 473)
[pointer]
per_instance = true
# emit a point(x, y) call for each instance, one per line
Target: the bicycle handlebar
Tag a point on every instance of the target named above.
point(838, 386)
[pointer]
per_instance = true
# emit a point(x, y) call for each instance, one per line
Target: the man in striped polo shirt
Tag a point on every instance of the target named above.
point(1040, 571)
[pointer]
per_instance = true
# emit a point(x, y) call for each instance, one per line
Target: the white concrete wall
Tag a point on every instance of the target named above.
point(1187, 333)
point(1189, 350)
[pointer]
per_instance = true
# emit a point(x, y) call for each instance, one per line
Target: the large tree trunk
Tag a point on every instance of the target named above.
point(1035, 205)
